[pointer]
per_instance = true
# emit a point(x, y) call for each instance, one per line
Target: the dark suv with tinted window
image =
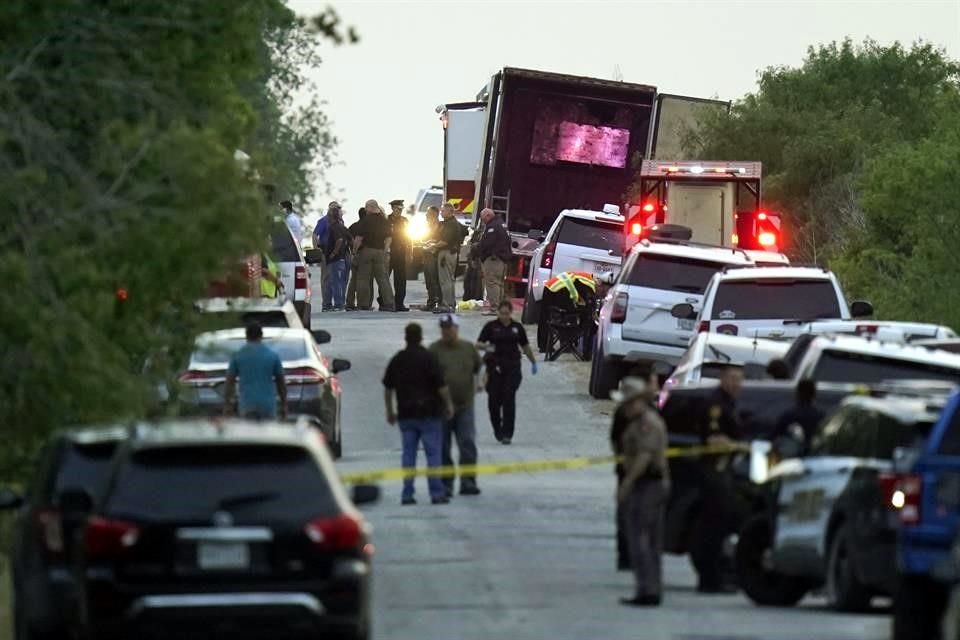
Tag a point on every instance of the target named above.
point(42, 582)
point(225, 526)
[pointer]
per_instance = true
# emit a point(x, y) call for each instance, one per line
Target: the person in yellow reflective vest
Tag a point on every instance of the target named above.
point(569, 280)
point(269, 277)
point(578, 285)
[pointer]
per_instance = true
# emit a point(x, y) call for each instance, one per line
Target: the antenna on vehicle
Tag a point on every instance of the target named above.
point(617, 74)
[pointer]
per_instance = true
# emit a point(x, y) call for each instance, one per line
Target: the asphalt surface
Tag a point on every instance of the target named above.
point(533, 556)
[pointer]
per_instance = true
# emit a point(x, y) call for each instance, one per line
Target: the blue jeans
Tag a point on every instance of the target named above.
point(428, 431)
point(461, 428)
point(336, 284)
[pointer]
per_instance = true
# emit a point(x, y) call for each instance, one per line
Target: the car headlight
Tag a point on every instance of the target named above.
point(417, 229)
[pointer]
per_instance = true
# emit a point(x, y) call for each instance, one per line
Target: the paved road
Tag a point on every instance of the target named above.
point(533, 556)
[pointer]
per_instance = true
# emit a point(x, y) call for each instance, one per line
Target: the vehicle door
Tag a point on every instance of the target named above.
point(592, 246)
point(938, 519)
point(809, 492)
point(287, 254)
point(772, 308)
point(656, 283)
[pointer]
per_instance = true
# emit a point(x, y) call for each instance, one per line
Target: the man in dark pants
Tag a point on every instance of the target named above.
point(431, 274)
point(643, 491)
point(399, 251)
point(460, 364)
point(493, 252)
point(803, 414)
point(719, 426)
point(502, 339)
point(354, 229)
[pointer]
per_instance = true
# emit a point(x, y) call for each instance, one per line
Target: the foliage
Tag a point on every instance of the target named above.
point(816, 128)
point(118, 126)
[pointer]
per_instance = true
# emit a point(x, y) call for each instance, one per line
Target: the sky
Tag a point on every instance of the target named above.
point(382, 92)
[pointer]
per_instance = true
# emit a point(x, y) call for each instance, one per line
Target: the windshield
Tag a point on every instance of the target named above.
point(775, 299)
point(431, 200)
point(220, 351)
point(284, 246)
point(841, 366)
point(592, 234)
point(672, 273)
point(256, 482)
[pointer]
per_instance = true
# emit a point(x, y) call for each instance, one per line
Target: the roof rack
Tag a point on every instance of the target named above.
point(806, 265)
point(690, 243)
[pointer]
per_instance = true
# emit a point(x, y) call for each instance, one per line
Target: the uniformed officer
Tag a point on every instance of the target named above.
point(502, 339)
point(399, 250)
point(643, 490)
point(718, 425)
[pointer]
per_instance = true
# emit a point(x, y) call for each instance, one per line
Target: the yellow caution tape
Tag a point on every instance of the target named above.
point(528, 466)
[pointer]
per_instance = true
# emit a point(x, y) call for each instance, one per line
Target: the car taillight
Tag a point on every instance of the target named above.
point(866, 328)
point(727, 329)
point(303, 375)
point(338, 533)
point(50, 528)
point(546, 261)
point(103, 537)
point(196, 376)
point(704, 327)
point(619, 313)
point(300, 277)
point(903, 494)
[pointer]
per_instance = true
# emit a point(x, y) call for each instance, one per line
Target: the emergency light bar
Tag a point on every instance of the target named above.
point(699, 170)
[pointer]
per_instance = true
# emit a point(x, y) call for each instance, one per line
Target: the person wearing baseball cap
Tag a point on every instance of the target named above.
point(460, 363)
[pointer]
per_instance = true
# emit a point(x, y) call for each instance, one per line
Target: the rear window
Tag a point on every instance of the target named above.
point(221, 350)
point(84, 466)
point(775, 299)
point(840, 366)
point(231, 319)
point(284, 246)
point(592, 234)
point(672, 273)
point(260, 482)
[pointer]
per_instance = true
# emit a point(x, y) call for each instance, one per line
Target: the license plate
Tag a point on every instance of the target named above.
point(685, 324)
point(223, 555)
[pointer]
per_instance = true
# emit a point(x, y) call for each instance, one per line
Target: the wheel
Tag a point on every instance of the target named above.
point(762, 585)
point(531, 308)
point(604, 374)
point(917, 608)
point(845, 592)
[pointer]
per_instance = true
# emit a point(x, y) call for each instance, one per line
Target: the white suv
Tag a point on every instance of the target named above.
point(636, 324)
point(777, 303)
point(578, 240)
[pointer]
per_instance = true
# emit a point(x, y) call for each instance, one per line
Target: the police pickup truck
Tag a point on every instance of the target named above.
point(827, 519)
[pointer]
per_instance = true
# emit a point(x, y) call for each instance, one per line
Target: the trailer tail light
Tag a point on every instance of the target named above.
point(767, 239)
point(105, 538)
point(546, 261)
point(649, 207)
point(343, 532)
point(636, 229)
point(704, 327)
point(304, 375)
point(726, 329)
point(620, 303)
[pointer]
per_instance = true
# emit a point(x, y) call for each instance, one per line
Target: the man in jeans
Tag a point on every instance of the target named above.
point(449, 238)
point(337, 249)
point(422, 401)
point(494, 252)
point(260, 372)
point(460, 363)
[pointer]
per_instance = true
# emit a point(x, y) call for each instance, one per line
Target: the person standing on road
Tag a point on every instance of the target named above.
point(502, 339)
point(374, 234)
point(260, 372)
point(460, 364)
point(431, 275)
point(338, 247)
point(719, 426)
point(321, 236)
point(354, 229)
point(804, 414)
point(422, 399)
point(293, 221)
point(449, 237)
point(644, 488)
point(494, 253)
point(399, 252)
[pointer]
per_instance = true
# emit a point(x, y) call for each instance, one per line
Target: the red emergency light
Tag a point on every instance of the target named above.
point(767, 239)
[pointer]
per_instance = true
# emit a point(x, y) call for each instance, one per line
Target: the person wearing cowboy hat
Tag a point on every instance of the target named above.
point(643, 491)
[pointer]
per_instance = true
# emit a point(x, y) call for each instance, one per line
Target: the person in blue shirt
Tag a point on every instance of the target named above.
point(260, 371)
point(321, 239)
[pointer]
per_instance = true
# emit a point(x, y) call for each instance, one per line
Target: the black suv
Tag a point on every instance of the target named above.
point(225, 527)
point(40, 566)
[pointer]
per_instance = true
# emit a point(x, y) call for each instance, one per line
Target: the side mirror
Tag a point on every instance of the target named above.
point(75, 505)
point(313, 256)
point(10, 499)
point(536, 234)
point(788, 447)
point(320, 336)
point(339, 364)
point(861, 309)
point(683, 311)
point(365, 493)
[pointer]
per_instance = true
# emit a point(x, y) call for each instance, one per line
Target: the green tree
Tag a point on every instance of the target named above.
point(118, 126)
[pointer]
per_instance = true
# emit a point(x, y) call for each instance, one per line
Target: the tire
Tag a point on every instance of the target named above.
point(604, 375)
point(531, 309)
point(844, 590)
point(763, 586)
point(917, 609)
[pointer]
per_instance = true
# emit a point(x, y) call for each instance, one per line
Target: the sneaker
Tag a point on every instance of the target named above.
point(349, 308)
point(410, 500)
point(505, 441)
point(641, 601)
point(402, 309)
point(470, 490)
point(440, 500)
